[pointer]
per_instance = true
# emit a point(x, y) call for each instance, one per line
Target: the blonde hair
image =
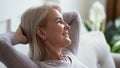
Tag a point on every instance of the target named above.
point(30, 20)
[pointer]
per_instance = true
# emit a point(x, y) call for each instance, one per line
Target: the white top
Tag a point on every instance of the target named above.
point(14, 59)
point(70, 62)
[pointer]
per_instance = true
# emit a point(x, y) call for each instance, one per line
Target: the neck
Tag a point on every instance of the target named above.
point(52, 53)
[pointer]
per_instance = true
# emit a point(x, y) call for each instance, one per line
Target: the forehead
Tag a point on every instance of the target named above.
point(53, 13)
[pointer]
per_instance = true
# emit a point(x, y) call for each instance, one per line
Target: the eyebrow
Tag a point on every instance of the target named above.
point(58, 17)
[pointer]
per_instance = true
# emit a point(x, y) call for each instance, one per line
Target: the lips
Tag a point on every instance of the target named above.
point(66, 34)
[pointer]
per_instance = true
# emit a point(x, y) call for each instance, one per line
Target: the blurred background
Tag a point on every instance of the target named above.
point(97, 15)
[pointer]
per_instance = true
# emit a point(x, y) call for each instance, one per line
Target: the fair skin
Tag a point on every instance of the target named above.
point(21, 38)
point(55, 34)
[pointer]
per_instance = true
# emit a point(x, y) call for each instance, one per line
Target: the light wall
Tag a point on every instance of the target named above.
point(12, 8)
point(83, 6)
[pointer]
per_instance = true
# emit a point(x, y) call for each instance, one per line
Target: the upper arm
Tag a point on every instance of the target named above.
point(11, 57)
point(14, 59)
point(73, 19)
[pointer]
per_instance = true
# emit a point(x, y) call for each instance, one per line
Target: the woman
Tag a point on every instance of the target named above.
point(47, 33)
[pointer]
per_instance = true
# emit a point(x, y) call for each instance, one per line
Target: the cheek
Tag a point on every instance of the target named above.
point(58, 30)
point(55, 34)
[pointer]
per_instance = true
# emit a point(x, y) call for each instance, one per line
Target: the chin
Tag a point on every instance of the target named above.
point(68, 42)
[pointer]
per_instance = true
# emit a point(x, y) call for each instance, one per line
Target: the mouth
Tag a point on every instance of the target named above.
point(66, 34)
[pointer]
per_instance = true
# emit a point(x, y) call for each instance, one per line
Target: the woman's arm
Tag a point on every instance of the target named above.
point(11, 57)
point(74, 20)
point(14, 37)
point(9, 37)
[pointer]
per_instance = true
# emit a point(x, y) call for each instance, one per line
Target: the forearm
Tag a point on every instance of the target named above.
point(73, 19)
point(14, 59)
point(9, 37)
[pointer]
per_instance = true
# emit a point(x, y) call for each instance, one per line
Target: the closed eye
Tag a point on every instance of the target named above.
point(60, 22)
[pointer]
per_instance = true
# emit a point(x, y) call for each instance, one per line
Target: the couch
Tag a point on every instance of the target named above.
point(93, 48)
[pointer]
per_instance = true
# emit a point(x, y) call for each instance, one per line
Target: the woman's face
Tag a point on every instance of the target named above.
point(56, 30)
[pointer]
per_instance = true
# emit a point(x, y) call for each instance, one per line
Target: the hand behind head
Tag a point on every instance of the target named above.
point(20, 36)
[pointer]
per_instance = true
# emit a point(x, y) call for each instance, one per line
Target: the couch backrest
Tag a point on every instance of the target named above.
point(93, 49)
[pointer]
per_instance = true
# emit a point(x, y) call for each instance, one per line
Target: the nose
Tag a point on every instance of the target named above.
point(67, 26)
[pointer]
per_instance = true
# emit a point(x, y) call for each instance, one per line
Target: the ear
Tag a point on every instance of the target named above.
point(40, 33)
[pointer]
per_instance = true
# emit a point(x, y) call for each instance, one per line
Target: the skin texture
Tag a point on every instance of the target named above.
point(55, 34)
point(21, 38)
